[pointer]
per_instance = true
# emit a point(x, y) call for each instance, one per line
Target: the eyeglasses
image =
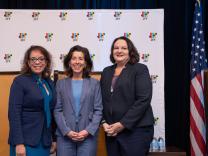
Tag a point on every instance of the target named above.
point(40, 59)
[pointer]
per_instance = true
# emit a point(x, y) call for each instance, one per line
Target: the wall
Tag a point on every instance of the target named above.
point(5, 82)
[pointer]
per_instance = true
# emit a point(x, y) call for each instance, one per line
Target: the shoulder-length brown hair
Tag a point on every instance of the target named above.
point(133, 53)
point(25, 66)
point(89, 64)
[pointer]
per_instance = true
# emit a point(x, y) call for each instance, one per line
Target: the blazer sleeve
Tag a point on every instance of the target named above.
point(143, 98)
point(53, 129)
point(15, 112)
point(58, 111)
point(101, 85)
point(97, 112)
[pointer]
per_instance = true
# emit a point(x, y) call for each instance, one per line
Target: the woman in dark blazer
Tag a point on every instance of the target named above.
point(78, 110)
point(31, 103)
point(126, 92)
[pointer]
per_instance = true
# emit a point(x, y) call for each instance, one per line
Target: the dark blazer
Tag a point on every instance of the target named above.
point(129, 103)
point(91, 107)
point(26, 112)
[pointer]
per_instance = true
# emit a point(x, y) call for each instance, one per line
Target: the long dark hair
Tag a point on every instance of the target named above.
point(133, 53)
point(87, 58)
point(25, 67)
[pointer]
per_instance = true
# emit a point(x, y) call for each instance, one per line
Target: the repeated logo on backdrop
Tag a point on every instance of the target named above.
point(48, 36)
point(145, 57)
point(127, 34)
point(101, 36)
point(75, 36)
point(22, 36)
point(90, 15)
point(152, 36)
point(7, 15)
point(35, 15)
point(7, 57)
point(154, 78)
point(144, 15)
point(117, 15)
point(92, 56)
point(63, 15)
point(156, 120)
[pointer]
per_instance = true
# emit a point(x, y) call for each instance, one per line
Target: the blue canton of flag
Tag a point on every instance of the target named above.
point(197, 106)
point(198, 56)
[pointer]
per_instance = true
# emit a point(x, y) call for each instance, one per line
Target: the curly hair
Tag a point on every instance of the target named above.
point(25, 66)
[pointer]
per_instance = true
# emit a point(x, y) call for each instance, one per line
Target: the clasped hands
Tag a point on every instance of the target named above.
point(113, 129)
point(78, 136)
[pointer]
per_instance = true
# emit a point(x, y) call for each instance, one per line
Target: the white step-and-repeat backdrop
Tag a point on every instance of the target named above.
point(59, 30)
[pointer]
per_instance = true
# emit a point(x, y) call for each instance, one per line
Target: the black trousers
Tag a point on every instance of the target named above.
point(130, 143)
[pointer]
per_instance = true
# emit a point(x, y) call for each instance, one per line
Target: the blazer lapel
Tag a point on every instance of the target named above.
point(121, 76)
point(36, 87)
point(68, 92)
point(109, 80)
point(51, 86)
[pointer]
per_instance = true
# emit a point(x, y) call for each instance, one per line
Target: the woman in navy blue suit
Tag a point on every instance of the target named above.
point(126, 92)
point(31, 103)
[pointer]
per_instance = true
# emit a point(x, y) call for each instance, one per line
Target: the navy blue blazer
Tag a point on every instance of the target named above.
point(129, 103)
point(26, 112)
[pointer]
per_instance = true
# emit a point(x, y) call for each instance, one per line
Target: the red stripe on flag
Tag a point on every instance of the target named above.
point(197, 102)
point(197, 135)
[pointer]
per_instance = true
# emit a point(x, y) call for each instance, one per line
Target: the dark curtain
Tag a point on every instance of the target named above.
point(77, 4)
point(177, 38)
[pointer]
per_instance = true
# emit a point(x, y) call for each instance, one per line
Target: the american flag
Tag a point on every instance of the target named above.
point(197, 106)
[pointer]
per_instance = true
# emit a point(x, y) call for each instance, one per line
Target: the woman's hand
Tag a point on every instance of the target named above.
point(20, 150)
point(53, 148)
point(83, 133)
point(106, 127)
point(114, 129)
point(75, 136)
point(72, 135)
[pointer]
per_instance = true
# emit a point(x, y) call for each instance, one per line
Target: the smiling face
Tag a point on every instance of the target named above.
point(77, 63)
point(37, 62)
point(120, 52)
